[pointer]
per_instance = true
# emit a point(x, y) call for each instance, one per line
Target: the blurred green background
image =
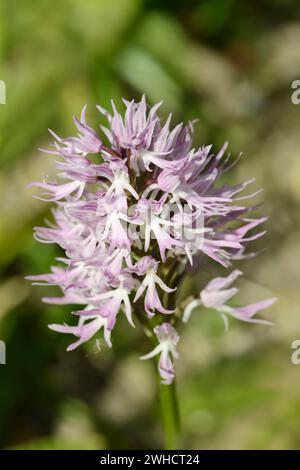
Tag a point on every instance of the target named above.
point(228, 63)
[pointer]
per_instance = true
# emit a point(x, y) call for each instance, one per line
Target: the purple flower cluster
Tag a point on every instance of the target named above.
point(131, 223)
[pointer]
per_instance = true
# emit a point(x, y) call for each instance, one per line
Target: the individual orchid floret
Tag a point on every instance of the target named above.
point(120, 180)
point(166, 349)
point(55, 191)
point(85, 329)
point(118, 297)
point(218, 292)
point(115, 262)
point(148, 266)
point(88, 140)
point(149, 215)
point(112, 224)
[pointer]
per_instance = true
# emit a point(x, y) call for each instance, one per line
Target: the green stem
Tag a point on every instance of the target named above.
point(170, 415)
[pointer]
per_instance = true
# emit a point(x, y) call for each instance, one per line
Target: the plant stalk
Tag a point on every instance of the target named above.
point(170, 415)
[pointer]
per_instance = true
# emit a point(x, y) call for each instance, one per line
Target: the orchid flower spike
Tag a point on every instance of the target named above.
point(134, 219)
